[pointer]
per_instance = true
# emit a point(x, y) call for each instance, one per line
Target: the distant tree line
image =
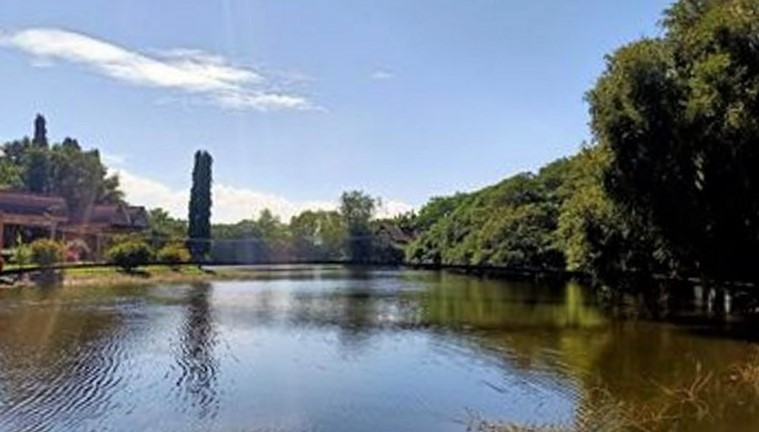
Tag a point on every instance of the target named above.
point(350, 234)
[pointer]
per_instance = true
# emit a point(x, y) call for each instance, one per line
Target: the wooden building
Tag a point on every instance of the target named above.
point(27, 210)
point(48, 216)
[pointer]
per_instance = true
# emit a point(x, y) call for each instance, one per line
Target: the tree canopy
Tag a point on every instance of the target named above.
point(64, 169)
point(678, 115)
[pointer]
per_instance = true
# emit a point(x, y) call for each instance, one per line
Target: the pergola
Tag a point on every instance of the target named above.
point(28, 210)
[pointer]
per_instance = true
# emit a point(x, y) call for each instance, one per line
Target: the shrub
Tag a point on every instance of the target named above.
point(46, 252)
point(22, 254)
point(173, 254)
point(129, 254)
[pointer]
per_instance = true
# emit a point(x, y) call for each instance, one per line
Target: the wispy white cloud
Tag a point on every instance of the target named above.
point(230, 203)
point(190, 71)
point(382, 75)
point(390, 208)
point(113, 159)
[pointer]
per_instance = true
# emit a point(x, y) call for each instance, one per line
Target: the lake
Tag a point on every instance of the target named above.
point(332, 349)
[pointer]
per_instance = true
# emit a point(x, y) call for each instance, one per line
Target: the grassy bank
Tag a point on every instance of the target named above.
point(155, 274)
point(94, 276)
point(160, 273)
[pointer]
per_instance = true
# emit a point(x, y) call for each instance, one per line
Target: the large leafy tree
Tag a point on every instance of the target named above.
point(274, 235)
point(594, 234)
point(357, 209)
point(317, 235)
point(80, 178)
point(678, 115)
point(64, 169)
point(199, 221)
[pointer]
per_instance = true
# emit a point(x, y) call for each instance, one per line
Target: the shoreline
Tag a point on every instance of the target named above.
point(148, 275)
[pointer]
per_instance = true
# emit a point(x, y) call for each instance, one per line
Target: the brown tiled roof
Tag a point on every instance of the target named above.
point(116, 215)
point(32, 204)
point(42, 205)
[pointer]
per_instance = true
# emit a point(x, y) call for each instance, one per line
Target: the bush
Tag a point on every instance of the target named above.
point(22, 255)
point(129, 254)
point(46, 252)
point(173, 254)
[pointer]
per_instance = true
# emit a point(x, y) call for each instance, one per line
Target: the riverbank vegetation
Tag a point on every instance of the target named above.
point(668, 187)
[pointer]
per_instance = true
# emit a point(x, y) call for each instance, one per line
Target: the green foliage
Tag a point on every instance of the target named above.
point(40, 131)
point(10, 175)
point(317, 236)
point(199, 226)
point(36, 169)
point(22, 254)
point(162, 228)
point(46, 252)
point(274, 234)
point(512, 223)
point(678, 115)
point(310, 236)
point(594, 234)
point(173, 254)
point(63, 169)
point(80, 178)
point(129, 253)
point(357, 210)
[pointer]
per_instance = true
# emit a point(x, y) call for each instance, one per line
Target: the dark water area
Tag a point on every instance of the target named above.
point(330, 349)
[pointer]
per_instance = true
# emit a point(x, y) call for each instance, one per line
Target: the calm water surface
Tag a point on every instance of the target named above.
point(325, 349)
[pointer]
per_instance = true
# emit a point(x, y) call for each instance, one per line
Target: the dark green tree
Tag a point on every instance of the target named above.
point(80, 178)
point(36, 169)
point(679, 116)
point(317, 235)
point(273, 235)
point(40, 132)
point(199, 221)
point(357, 210)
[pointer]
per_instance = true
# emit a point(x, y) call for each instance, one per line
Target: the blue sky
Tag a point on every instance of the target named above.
point(298, 101)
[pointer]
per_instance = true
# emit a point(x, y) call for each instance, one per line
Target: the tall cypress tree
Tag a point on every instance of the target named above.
point(37, 161)
point(40, 131)
point(199, 227)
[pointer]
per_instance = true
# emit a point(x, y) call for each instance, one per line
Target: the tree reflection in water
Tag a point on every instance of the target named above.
point(357, 312)
point(195, 356)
